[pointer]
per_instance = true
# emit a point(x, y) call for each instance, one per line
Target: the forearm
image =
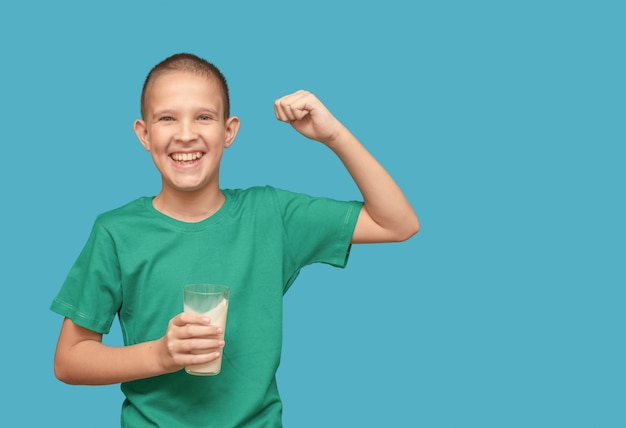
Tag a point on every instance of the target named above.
point(91, 362)
point(388, 214)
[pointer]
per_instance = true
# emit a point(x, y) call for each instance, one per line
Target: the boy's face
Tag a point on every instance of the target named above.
point(185, 131)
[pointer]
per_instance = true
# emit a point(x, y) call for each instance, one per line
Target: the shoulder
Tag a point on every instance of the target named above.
point(128, 211)
point(267, 196)
point(261, 202)
point(254, 195)
point(280, 196)
point(273, 199)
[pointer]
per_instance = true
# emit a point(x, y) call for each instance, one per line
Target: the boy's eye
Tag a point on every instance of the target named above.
point(204, 117)
point(166, 119)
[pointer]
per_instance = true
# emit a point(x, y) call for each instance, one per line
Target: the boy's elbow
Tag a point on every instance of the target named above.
point(411, 228)
point(59, 372)
point(404, 231)
point(62, 372)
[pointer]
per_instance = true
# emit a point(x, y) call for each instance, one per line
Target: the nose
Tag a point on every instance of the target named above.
point(186, 131)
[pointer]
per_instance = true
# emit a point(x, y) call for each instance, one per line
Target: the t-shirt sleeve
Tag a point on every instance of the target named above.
point(318, 230)
point(91, 293)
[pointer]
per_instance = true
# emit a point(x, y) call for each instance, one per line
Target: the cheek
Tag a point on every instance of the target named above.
point(155, 158)
point(157, 144)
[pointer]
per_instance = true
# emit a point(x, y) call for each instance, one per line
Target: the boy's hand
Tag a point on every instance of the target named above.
point(191, 339)
point(308, 116)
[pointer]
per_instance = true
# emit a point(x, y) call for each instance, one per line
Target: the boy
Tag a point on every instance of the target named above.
point(139, 256)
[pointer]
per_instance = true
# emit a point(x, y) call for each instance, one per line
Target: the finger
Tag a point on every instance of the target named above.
point(209, 331)
point(194, 331)
point(190, 318)
point(293, 106)
point(290, 113)
point(198, 356)
point(192, 346)
point(290, 98)
point(283, 110)
point(202, 358)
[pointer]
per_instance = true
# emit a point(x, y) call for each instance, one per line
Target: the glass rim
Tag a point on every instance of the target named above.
point(209, 288)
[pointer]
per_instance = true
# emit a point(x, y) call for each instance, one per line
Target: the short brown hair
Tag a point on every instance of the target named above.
point(191, 63)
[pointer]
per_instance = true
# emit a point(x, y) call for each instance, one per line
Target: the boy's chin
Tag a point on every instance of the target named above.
point(186, 188)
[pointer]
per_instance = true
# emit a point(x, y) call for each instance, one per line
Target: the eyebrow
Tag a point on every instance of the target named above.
point(170, 111)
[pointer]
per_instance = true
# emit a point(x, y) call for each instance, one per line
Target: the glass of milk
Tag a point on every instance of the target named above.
point(210, 300)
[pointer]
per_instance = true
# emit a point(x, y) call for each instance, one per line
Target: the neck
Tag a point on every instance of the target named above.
point(189, 207)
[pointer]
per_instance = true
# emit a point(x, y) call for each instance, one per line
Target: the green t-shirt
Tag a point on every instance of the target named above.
point(137, 260)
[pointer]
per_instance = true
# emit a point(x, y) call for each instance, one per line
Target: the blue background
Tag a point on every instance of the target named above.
point(502, 121)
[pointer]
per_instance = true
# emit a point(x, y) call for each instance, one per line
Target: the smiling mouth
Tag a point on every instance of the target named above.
point(186, 158)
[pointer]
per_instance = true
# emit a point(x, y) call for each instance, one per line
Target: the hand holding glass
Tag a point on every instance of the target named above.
point(210, 300)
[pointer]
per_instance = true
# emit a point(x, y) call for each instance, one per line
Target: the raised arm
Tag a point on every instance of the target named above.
point(387, 216)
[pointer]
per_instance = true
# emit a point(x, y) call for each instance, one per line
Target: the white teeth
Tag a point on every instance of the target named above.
point(185, 157)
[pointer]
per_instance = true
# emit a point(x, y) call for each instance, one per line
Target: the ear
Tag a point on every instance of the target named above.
point(231, 128)
point(141, 131)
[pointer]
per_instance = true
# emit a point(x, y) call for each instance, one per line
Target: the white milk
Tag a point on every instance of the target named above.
point(218, 318)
